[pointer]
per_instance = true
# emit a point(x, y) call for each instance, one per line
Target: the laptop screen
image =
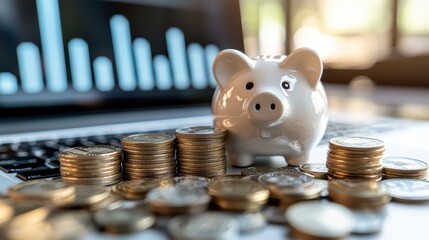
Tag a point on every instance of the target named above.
point(69, 56)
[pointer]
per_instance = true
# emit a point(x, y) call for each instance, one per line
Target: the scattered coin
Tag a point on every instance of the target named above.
point(250, 222)
point(177, 199)
point(319, 171)
point(407, 190)
point(238, 195)
point(193, 182)
point(314, 220)
point(259, 170)
point(124, 220)
point(275, 214)
point(368, 222)
point(207, 226)
point(41, 190)
point(85, 196)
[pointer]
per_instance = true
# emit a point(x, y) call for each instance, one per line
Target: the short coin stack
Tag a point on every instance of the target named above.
point(97, 165)
point(135, 189)
point(355, 157)
point(239, 195)
point(358, 194)
point(149, 155)
point(403, 167)
point(290, 186)
point(201, 151)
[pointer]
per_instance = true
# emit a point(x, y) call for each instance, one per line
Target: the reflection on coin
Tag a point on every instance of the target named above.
point(285, 179)
point(124, 220)
point(193, 182)
point(404, 163)
point(93, 151)
point(207, 226)
point(147, 139)
point(249, 222)
point(315, 219)
point(200, 131)
point(275, 214)
point(85, 196)
point(407, 190)
point(259, 170)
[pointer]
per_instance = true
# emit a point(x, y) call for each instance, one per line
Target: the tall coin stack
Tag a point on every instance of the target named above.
point(97, 165)
point(355, 157)
point(149, 155)
point(201, 151)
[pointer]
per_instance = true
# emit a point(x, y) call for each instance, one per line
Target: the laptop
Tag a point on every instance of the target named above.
point(80, 73)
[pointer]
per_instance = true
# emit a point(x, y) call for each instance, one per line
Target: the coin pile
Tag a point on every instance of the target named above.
point(239, 195)
point(97, 165)
point(177, 199)
point(149, 155)
point(358, 194)
point(290, 186)
point(201, 151)
point(355, 157)
point(403, 167)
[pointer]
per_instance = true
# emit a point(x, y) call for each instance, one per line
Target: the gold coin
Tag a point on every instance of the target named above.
point(77, 166)
point(316, 170)
point(150, 166)
point(134, 176)
point(40, 190)
point(239, 189)
point(93, 174)
point(105, 180)
point(147, 153)
point(85, 196)
point(333, 157)
point(356, 153)
point(90, 161)
point(7, 212)
point(201, 146)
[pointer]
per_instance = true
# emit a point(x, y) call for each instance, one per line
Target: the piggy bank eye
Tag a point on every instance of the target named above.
point(249, 85)
point(286, 85)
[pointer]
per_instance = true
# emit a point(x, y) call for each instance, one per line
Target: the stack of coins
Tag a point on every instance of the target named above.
point(149, 155)
point(403, 167)
point(201, 151)
point(239, 195)
point(97, 165)
point(355, 157)
point(358, 194)
point(290, 186)
point(319, 171)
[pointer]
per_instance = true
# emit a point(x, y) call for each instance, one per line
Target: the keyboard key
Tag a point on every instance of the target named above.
point(39, 174)
point(7, 160)
point(16, 168)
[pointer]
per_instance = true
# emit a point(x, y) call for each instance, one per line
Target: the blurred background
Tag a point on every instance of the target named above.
point(363, 44)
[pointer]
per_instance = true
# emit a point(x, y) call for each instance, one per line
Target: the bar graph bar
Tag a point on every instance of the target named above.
point(162, 72)
point(211, 52)
point(121, 37)
point(181, 67)
point(80, 65)
point(30, 68)
point(197, 66)
point(52, 44)
point(103, 72)
point(143, 56)
point(177, 53)
point(8, 83)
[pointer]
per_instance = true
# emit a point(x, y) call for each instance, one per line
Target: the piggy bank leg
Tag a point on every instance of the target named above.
point(296, 160)
point(239, 159)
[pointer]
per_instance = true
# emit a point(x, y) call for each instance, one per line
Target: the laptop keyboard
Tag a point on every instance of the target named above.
point(39, 160)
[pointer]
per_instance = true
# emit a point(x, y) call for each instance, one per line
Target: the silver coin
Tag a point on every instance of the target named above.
point(207, 226)
point(275, 214)
point(324, 184)
point(177, 195)
point(368, 222)
point(315, 218)
point(149, 138)
point(357, 142)
point(404, 163)
point(411, 190)
point(124, 220)
point(285, 179)
point(249, 222)
point(193, 182)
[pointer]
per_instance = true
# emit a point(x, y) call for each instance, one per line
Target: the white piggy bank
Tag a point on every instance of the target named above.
point(271, 105)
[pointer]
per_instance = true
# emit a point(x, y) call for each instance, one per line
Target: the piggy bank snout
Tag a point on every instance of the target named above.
point(265, 108)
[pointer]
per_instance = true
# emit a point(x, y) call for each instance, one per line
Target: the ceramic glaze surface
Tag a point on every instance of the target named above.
point(270, 106)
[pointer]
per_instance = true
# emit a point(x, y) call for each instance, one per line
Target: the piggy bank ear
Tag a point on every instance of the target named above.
point(305, 61)
point(227, 64)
